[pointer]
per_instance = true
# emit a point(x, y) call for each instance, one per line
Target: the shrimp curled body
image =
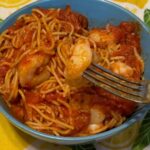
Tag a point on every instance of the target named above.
point(32, 69)
point(80, 59)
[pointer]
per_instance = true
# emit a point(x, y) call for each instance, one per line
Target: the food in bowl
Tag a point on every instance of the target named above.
point(42, 58)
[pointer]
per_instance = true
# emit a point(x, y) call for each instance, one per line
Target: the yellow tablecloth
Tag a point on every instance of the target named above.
point(13, 139)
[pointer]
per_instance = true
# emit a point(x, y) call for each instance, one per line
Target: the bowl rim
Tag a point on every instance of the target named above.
point(94, 137)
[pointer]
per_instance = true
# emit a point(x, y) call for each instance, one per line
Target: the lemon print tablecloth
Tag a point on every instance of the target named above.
point(13, 139)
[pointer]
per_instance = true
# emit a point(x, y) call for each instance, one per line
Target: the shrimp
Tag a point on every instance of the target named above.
point(121, 69)
point(102, 37)
point(80, 59)
point(32, 70)
point(96, 121)
point(101, 120)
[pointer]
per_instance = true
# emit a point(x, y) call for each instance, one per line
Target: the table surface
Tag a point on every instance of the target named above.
point(13, 139)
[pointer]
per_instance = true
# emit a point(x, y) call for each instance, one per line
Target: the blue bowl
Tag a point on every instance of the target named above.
point(99, 13)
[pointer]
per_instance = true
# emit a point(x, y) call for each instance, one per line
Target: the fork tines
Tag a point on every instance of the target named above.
point(116, 84)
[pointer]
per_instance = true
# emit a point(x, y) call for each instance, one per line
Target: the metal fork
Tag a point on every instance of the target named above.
point(135, 91)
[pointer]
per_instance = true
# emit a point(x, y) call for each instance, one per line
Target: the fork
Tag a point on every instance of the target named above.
point(134, 91)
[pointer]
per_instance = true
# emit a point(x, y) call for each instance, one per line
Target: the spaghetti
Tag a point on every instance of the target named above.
point(34, 55)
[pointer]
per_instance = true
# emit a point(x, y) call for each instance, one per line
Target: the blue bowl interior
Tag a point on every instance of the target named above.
point(99, 13)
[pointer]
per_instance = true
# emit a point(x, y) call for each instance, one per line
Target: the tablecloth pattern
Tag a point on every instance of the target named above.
point(13, 139)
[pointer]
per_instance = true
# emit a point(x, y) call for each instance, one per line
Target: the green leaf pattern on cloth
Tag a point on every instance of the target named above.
point(143, 138)
point(147, 17)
